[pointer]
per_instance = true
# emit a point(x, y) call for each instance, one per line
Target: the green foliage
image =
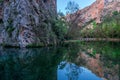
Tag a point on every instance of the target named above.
point(10, 27)
point(10, 30)
point(72, 7)
point(35, 45)
point(94, 24)
point(115, 13)
point(60, 28)
point(109, 50)
point(109, 28)
point(4, 45)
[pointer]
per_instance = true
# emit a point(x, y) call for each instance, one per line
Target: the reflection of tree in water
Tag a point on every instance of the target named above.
point(72, 71)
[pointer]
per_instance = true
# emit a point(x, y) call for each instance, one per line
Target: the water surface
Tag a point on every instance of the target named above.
point(73, 61)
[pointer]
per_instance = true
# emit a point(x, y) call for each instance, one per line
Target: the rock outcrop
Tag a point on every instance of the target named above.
point(28, 22)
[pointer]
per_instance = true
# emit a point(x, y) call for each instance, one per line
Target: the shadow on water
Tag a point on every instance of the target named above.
point(73, 61)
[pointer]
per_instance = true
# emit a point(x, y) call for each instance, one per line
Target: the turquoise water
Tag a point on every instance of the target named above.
point(73, 61)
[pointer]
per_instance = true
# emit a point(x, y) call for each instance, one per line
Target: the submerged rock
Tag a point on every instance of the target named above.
point(28, 22)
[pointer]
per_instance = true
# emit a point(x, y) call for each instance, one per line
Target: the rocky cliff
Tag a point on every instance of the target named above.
point(27, 22)
point(96, 11)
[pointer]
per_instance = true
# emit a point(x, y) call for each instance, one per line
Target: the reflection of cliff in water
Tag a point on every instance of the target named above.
point(96, 65)
point(102, 59)
point(75, 60)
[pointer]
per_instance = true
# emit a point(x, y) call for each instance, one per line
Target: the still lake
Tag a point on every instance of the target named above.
point(71, 61)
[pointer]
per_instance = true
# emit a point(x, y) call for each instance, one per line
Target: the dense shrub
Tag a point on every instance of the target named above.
point(60, 28)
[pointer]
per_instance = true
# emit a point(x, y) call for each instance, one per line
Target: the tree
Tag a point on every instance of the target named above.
point(59, 27)
point(73, 18)
point(72, 7)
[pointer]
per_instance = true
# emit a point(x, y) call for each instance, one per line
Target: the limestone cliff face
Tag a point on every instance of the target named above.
point(93, 11)
point(27, 22)
point(97, 10)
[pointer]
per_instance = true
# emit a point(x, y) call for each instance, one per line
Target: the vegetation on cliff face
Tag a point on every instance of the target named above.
point(31, 23)
point(109, 28)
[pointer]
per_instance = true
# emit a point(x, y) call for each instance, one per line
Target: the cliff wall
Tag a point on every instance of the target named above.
point(96, 11)
point(99, 9)
point(27, 22)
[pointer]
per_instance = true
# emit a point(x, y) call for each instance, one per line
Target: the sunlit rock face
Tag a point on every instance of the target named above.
point(28, 22)
point(97, 11)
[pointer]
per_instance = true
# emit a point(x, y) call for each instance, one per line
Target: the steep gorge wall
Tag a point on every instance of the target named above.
point(96, 11)
point(28, 22)
point(99, 9)
point(93, 11)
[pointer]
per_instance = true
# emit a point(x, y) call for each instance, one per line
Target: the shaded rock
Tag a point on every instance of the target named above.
point(28, 22)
